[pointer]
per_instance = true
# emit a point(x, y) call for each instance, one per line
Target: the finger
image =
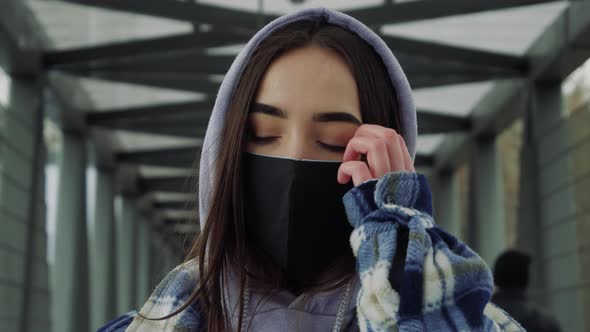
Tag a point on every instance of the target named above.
point(355, 148)
point(408, 163)
point(355, 169)
point(376, 151)
point(397, 156)
point(371, 129)
point(388, 135)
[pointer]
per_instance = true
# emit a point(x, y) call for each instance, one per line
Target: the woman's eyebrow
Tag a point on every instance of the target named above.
point(267, 109)
point(337, 116)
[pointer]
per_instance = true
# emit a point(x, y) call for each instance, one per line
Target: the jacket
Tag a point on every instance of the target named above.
point(444, 285)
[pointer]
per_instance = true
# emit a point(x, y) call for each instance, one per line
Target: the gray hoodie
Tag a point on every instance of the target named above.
point(285, 312)
point(402, 88)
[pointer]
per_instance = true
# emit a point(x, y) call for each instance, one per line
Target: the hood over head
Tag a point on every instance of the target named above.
point(210, 149)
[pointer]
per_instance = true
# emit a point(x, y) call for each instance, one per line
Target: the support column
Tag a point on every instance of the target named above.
point(126, 215)
point(70, 271)
point(144, 260)
point(553, 227)
point(529, 227)
point(24, 286)
point(487, 198)
point(447, 202)
point(102, 250)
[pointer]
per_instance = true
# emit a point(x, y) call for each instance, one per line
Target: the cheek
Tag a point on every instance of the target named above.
point(249, 147)
point(260, 149)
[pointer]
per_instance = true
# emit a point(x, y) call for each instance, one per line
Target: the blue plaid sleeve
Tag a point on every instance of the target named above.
point(443, 284)
point(170, 294)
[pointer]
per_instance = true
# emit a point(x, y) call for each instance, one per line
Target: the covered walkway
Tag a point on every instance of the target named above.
point(104, 104)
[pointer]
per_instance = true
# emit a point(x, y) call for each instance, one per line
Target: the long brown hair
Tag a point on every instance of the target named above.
point(222, 244)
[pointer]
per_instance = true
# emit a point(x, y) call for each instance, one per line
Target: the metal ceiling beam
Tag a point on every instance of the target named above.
point(189, 11)
point(177, 62)
point(20, 42)
point(166, 184)
point(437, 81)
point(417, 69)
point(193, 40)
point(171, 69)
point(177, 157)
point(494, 112)
point(554, 55)
point(219, 37)
point(185, 228)
point(439, 78)
point(192, 77)
point(375, 15)
point(195, 83)
point(17, 59)
point(564, 45)
point(429, 9)
point(168, 71)
point(436, 123)
point(187, 119)
point(457, 54)
point(187, 69)
point(196, 62)
point(171, 222)
point(187, 130)
point(176, 215)
point(177, 81)
point(184, 75)
point(191, 129)
point(173, 110)
point(174, 205)
point(419, 78)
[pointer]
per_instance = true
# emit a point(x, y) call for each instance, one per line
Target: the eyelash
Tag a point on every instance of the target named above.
point(269, 139)
point(333, 148)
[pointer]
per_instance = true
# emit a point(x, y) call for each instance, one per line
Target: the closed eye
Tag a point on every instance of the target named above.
point(333, 148)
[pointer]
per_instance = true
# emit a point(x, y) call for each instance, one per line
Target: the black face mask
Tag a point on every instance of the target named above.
point(294, 213)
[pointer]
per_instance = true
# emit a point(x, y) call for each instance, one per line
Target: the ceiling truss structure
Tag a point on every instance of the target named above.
point(182, 62)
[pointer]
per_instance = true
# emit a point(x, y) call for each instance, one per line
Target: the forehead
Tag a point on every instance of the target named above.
point(309, 78)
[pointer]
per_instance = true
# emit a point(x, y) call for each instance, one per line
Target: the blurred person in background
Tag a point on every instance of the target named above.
point(511, 276)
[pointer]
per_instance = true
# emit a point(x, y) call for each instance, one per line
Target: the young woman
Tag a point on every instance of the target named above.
point(312, 217)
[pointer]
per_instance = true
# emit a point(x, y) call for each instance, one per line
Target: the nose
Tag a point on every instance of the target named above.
point(296, 146)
